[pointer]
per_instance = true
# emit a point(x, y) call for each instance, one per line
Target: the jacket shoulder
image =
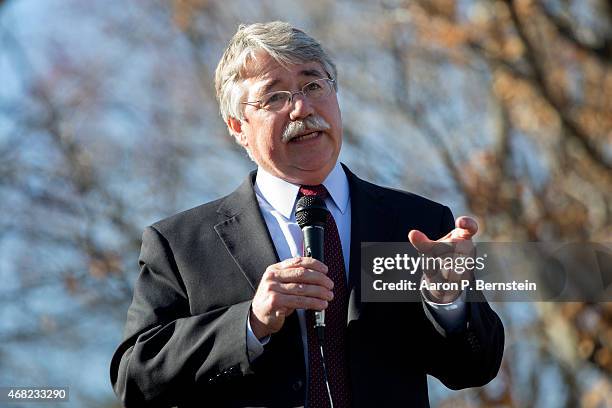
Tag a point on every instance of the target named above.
point(410, 210)
point(400, 198)
point(199, 214)
point(207, 215)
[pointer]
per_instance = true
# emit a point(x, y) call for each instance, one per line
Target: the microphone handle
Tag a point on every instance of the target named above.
point(313, 246)
point(313, 241)
point(314, 236)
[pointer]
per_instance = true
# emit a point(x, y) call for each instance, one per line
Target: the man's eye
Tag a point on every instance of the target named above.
point(313, 86)
point(275, 98)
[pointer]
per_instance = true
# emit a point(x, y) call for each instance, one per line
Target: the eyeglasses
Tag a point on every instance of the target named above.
point(280, 100)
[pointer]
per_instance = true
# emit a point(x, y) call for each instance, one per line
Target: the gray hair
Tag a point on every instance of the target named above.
point(286, 44)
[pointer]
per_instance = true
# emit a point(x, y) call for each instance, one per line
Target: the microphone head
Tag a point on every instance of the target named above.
point(311, 210)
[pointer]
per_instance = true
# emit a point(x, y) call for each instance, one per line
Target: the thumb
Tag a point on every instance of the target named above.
point(466, 227)
point(420, 241)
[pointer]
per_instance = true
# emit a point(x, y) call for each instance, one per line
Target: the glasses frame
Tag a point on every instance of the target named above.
point(258, 103)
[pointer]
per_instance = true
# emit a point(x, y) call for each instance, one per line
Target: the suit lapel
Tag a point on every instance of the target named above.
point(244, 232)
point(247, 239)
point(371, 221)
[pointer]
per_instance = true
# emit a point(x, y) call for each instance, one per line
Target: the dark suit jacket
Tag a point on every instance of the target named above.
point(185, 337)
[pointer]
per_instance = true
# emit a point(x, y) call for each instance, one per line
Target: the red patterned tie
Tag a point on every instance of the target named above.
point(334, 345)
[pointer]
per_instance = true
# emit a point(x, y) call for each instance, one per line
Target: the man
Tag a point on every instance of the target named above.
point(222, 313)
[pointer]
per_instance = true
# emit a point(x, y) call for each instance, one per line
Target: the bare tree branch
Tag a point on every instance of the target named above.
point(603, 51)
point(573, 128)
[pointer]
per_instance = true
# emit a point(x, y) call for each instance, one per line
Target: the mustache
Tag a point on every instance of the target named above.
point(313, 123)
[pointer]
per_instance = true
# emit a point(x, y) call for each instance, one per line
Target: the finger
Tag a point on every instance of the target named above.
point(301, 289)
point(464, 247)
point(441, 249)
point(466, 228)
point(301, 302)
point(420, 241)
point(302, 275)
point(305, 262)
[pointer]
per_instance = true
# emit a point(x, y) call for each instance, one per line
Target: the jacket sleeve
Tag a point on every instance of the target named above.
point(471, 355)
point(166, 351)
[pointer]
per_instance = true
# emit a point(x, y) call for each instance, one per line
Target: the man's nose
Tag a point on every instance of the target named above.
point(300, 108)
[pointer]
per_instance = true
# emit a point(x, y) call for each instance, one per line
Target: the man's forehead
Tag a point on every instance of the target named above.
point(264, 69)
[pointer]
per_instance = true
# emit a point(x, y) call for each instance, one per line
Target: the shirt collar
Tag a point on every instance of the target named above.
point(281, 195)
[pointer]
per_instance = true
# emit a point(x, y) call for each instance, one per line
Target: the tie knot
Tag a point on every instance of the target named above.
point(316, 191)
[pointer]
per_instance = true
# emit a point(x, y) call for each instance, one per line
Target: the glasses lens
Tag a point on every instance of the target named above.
point(317, 89)
point(275, 101)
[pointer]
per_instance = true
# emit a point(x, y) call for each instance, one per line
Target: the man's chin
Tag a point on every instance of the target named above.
point(310, 175)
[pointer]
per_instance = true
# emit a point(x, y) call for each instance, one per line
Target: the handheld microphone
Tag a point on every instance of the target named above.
point(311, 214)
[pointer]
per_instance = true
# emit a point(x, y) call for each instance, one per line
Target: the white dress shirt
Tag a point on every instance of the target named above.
point(277, 199)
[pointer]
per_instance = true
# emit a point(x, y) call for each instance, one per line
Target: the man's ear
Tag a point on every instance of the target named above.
point(235, 127)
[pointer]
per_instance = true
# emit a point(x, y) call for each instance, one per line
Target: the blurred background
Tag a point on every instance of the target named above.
point(108, 122)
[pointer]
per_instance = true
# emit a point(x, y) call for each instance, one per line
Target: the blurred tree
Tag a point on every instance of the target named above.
point(100, 135)
point(501, 109)
point(548, 66)
point(544, 174)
